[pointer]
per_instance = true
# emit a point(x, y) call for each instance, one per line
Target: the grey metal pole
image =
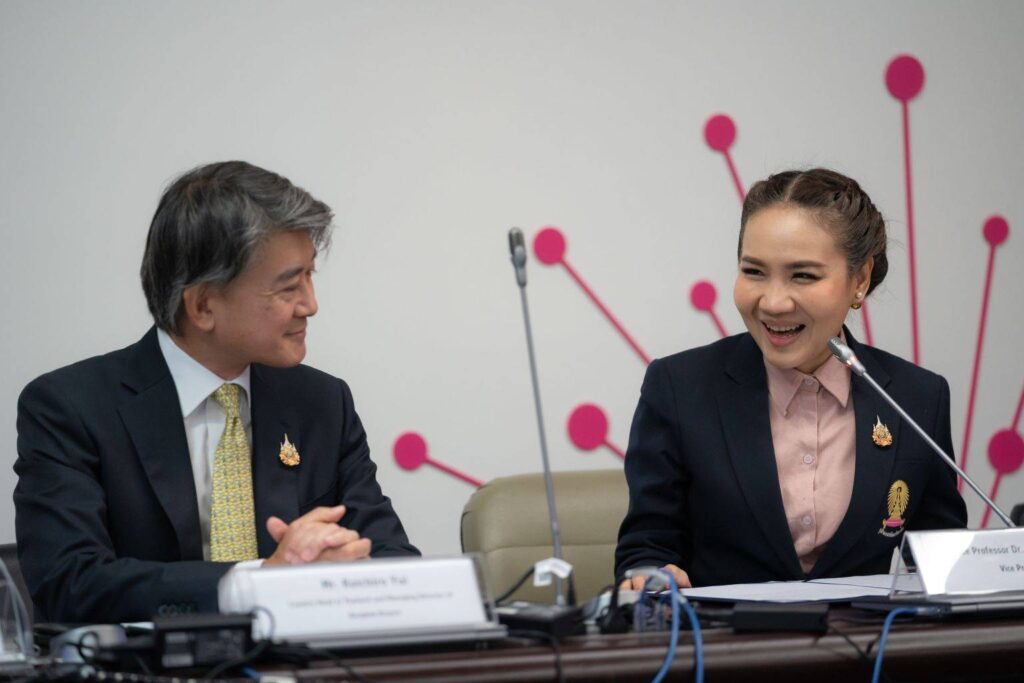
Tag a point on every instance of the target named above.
point(517, 248)
point(935, 447)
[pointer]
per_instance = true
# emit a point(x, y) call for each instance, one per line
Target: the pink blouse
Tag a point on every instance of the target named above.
point(815, 449)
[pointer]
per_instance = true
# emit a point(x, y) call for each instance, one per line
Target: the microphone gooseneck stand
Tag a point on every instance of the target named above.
point(848, 358)
point(517, 247)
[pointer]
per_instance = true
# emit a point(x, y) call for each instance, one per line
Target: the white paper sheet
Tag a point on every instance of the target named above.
point(841, 589)
point(904, 582)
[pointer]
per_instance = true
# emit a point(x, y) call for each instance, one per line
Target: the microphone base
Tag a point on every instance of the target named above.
point(557, 621)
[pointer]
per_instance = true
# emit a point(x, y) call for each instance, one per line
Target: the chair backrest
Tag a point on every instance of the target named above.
point(506, 521)
point(9, 556)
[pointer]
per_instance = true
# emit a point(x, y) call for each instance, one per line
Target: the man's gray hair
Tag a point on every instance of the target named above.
point(209, 224)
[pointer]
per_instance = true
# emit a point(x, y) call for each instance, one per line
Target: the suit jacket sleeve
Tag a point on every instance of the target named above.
point(943, 507)
point(656, 528)
point(369, 511)
point(67, 555)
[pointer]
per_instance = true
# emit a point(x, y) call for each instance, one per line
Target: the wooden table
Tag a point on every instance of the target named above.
point(975, 650)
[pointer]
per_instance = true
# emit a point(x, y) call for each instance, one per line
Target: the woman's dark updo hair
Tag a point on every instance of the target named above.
point(839, 204)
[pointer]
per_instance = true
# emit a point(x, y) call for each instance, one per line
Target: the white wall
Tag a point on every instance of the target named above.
point(432, 127)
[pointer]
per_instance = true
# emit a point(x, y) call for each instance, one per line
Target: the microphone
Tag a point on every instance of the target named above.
point(517, 249)
point(848, 358)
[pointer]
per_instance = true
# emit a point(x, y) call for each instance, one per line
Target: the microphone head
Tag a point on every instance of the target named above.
point(839, 349)
point(845, 355)
point(515, 240)
point(517, 248)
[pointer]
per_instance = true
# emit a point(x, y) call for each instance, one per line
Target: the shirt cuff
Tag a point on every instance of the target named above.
point(232, 587)
point(248, 564)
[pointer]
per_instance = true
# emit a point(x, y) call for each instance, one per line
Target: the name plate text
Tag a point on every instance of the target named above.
point(334, 599)
point(964, 561)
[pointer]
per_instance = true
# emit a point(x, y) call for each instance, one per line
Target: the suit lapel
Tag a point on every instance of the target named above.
point(157, 430)
point(275, 485)
point(742, 395)
point(873, 469)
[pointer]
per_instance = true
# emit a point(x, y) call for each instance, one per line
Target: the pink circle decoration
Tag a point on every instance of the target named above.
point(904, 77)
point(996, 230)
point(588, 427)
point(720, 132)
point(410, 451)
point(549, 246)
point(703, 296)
point(1006, 451)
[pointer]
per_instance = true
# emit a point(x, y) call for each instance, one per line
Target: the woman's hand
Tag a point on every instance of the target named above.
point(637, 582)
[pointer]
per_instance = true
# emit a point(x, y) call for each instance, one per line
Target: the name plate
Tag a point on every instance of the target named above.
point(320, 601)
point(964, 561)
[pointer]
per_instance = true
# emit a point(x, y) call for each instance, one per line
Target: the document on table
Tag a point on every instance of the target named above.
point(842, 589)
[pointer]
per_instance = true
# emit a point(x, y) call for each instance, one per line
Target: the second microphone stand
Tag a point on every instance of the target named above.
point(517, 247)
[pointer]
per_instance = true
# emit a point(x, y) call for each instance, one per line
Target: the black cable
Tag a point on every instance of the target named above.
point(845, 636)
point(305, 654)
point(246, 657)
point(273, 622)
point(864, 654)
point(86, 659)
point(333, 659)
point(504, 596)
point(252, 654)
point(142, 664)
point(555, 647)
point(877, 638)
point(80, 643)
point(613, 619)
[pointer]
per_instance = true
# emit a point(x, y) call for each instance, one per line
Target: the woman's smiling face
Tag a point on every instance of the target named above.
point(794, 287)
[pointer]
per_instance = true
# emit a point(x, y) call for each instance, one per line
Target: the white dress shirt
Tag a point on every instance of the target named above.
point(204, 420)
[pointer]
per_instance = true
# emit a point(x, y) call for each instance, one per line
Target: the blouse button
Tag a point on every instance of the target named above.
point(807, 520)
point(808, 458)
point(810, 382)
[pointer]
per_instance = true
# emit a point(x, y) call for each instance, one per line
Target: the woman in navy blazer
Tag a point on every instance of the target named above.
point(705, 497)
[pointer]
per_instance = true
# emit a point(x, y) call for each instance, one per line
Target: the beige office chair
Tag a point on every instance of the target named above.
point(506, 521)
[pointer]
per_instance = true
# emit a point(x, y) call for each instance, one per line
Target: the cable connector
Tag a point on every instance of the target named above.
point(543, 571)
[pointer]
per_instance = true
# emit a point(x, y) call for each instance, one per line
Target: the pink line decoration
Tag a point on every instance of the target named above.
point(904, 77)
point(703, 296)
point(410, 451)
point(1020, 408)
point(588, 429)
point(867, 324)
point(996, 231)
point(1006, 454)
point(720, 133)
point(549, 247)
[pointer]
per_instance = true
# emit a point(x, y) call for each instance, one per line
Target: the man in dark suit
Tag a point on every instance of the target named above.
point(704, 486)
point(148, 473)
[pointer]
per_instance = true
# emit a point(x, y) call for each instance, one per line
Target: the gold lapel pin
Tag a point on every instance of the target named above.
point(289, 454)
point(881, 434)
point(896, 503)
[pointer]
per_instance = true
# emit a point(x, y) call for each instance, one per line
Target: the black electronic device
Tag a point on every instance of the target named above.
point(197, 640)
point(557, 621)
point(805, 617)
point(613, 617)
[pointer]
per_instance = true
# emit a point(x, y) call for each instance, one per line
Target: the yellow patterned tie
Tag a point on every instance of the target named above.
point(232, 518)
